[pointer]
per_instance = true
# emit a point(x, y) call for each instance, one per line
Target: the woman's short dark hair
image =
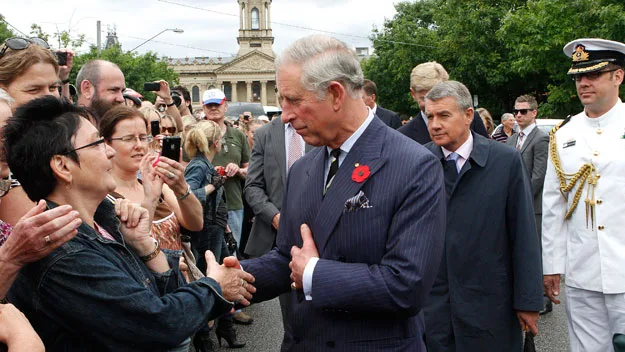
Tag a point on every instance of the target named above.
point(37, 131)
point(116, 115)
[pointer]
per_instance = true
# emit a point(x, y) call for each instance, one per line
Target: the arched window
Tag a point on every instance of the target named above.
point(255, 19)
point(195, 94)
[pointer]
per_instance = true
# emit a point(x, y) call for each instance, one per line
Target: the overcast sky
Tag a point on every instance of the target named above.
point(210, 29)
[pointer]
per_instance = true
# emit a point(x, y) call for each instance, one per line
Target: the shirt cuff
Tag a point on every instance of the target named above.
point(307, 278)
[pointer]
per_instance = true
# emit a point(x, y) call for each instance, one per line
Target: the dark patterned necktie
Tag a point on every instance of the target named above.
point(334, 167)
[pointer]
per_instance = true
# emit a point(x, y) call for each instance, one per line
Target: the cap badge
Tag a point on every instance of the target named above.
point(580, 54)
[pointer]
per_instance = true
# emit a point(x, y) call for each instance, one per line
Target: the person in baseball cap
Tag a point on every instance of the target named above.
point(213, 96)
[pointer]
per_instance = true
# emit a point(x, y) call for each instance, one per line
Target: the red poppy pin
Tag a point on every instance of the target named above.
point(361, 173)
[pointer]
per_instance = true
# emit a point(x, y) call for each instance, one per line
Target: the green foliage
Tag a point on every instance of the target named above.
point(499, 49)
point(137, 69)
point(5, 32)
point(36, 31)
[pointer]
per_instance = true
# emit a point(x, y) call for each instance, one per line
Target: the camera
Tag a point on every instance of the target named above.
point(177, 98)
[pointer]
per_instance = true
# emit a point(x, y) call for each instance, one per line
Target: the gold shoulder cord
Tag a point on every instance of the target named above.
point(586, 174)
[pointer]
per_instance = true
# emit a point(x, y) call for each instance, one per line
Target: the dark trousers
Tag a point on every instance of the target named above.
point(211, 238)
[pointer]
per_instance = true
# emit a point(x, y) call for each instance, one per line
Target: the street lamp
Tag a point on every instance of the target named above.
point(175, 30)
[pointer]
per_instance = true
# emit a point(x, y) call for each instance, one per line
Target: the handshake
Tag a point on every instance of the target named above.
point(236, 285)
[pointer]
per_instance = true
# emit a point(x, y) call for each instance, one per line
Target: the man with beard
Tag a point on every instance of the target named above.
point(100, 85)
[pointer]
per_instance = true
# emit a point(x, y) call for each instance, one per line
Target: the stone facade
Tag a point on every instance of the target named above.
point(247, 77)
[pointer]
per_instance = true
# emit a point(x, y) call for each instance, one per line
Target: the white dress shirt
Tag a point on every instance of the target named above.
point(345, 148)
point(464, 151)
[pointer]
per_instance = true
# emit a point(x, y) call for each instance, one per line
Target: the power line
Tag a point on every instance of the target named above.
point(296, 26)
point(12, 26)
point(180, 45)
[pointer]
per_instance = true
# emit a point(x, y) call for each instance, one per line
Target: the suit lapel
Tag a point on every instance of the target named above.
point(366, 151)
point(529, 139)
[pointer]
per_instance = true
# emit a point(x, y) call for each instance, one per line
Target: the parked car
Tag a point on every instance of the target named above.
point(236, 109)
point(546, 125)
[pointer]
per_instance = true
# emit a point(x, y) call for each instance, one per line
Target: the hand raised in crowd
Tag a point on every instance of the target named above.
point(232, 169)
point(65, 70)
point(172, 173)
point(551, 284)
point(301, 256)
point(528, 321)
point(16, 332)
point(163, 95)
point(152, 183)
point(38, 233)
point(236, 284)
point(135, 225)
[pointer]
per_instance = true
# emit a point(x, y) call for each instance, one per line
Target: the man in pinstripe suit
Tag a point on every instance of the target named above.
point(362, 225)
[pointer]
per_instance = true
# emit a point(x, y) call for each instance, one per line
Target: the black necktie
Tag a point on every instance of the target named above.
point(334, 167)
point(450, 172)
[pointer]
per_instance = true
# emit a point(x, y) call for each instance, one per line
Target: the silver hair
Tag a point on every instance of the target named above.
point(324, 59)
point(506, 116)
point(452, 89)
point(6, 98)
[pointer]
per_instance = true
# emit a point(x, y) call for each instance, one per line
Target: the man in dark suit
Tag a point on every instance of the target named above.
point(276, 147)
point(533, 145)
point(362, 222)
point(423, 77)
point(369, 96)
point(489, 285)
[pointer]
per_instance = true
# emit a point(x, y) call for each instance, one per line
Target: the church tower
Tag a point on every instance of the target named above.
point(255, 27)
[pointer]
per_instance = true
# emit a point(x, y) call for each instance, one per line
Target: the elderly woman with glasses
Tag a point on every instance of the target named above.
point(110, 287)
point(167, 195)
point(28, 70)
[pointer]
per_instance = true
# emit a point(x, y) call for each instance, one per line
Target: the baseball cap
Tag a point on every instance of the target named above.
point(213, 96)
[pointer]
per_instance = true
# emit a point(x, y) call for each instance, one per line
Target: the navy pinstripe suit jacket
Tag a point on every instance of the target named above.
point(376, 264)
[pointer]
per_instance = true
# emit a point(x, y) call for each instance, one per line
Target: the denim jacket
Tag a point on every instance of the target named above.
point(198, 174)
point(95, 294)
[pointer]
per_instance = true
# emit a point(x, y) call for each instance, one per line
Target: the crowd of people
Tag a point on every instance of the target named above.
point(129, 225)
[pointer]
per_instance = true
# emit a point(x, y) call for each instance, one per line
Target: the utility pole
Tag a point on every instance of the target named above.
point(99, 29)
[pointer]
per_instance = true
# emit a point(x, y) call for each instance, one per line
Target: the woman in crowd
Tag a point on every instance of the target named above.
point(487, 119)
point(167, 196)
point(168, 126)
point(28, 70)
point(202, 143)
point(109, 288)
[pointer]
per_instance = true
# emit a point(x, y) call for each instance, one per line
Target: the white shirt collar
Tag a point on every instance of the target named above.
point(529, 129)
point(349, 142)
point(375, 108)
point(464, 150)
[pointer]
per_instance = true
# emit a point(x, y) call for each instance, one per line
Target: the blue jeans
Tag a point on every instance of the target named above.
point(235, 222)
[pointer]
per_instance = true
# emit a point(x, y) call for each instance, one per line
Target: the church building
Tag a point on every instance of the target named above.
point(247, 77)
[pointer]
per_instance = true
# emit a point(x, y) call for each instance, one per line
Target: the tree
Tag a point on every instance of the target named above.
point(536, 34)
point(403, 42)
point(5, 32)
point(137, 69)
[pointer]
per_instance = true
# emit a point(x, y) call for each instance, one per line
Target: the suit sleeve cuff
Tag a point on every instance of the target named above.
point(307, 278)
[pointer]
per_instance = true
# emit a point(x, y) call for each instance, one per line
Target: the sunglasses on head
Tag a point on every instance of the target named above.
point(521, 111)
point(19, 43)
point(171, 130)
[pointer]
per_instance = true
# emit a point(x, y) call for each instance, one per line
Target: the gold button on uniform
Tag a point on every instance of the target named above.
point(599, 131)
point(600, 227)
point(599, 201)
point(595, 153)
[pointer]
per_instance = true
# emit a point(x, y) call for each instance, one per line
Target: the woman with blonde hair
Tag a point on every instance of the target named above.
point(202, 143)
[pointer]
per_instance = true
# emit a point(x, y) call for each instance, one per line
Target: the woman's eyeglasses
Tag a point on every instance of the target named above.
point(171, 130)
point(144, 138)
point(99, 141)
point(18, 43)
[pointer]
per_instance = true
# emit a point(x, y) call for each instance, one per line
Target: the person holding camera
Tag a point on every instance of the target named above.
point(185, 108)
point(168, 101)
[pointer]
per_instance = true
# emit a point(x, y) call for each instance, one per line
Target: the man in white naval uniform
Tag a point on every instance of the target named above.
point(584, 200)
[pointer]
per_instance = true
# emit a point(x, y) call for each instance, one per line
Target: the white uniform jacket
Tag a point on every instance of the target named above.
point(592, 258)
